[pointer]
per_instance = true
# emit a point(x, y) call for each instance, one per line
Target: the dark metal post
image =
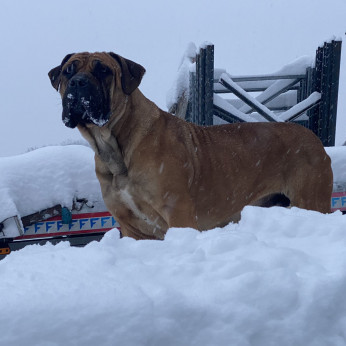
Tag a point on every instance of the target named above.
point(200, 80)
point(209, 85)
point(325, 94)
point(326, 81)
point(204, 86)
point(316, 86)
point(334, 90)
point(192, 105)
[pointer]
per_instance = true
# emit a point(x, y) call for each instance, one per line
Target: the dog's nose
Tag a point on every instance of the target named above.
point(79, 81)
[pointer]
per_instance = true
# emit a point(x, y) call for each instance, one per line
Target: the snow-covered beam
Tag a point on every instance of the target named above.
point(266, 113)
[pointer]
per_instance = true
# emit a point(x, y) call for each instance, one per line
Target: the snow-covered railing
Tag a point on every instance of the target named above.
point(305, 91)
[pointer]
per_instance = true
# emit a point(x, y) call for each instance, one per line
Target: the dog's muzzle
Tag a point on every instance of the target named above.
point(83, 102)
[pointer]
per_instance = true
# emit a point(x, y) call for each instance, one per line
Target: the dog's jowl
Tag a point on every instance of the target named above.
point(157, 171)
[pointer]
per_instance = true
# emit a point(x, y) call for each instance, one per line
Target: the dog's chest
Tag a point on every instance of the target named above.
point(128, 200)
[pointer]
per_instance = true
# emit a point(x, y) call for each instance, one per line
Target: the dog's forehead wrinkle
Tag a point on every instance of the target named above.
point(92, 58)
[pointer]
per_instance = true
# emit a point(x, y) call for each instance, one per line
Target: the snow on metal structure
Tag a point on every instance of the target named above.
point(305, 91)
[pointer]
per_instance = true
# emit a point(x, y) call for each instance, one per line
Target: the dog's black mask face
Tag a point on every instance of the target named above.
point(85, 99)
point(87, 83)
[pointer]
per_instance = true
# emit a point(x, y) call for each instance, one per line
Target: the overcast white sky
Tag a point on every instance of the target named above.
point(250, 36)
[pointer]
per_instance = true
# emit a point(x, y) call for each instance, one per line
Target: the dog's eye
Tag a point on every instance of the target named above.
point(101, 69)
point(69, 70)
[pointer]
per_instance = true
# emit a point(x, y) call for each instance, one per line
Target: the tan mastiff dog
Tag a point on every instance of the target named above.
point(157, 171)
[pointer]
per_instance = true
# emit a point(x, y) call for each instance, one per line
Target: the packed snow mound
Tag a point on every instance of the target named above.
point(46, 177)
point(338, 157)
point(276, 278)
point(181, 83)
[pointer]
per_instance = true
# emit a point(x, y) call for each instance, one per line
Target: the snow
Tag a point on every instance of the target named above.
point(276, 278)
point(45, 177)
point(294, 68)
point(269, 93)
point(297, 66)
point(338, 157)
point(301, 107)
point(223, 104)
point(224, 77)
point(181, 84)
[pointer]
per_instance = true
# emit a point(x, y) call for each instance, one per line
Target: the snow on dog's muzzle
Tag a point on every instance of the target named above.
point(83, 103)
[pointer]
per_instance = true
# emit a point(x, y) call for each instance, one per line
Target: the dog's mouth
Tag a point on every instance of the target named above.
point(84, 103)
point(81, 110)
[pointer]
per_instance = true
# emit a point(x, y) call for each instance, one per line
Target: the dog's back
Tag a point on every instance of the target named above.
point(242, 164)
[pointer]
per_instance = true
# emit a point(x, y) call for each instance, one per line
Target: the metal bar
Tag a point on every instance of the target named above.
point(334, 90)
point(309, 76)
point(325, 93)
point(304, 111)
point(265, 77)
point(191, 110)
point(197, 90)
point(201, 86)
point(219, 89)
point(314, 124)
point(271, 96)
point(261, 110)
point(312, 101)
point(227, 116)
point(301, 94)
point(198, 62)
point(209, 85)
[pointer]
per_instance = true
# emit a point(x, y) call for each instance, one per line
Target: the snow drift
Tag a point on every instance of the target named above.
point(276, 278)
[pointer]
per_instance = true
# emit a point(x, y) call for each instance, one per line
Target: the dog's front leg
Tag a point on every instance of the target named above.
point(180, 212)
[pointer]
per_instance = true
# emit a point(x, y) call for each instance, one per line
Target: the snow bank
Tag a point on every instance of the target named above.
point(181, 83)
point(338, 157)
point(276, 278)
point(46, 177)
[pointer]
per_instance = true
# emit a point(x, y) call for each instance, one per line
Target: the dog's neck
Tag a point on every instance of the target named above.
point(139, 115)
point(121, 135)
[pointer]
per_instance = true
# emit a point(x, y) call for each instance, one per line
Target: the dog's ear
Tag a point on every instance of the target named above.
point(132, 73)
point(55, 73)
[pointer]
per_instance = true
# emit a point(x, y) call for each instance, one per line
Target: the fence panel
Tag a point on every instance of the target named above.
point(316, 93)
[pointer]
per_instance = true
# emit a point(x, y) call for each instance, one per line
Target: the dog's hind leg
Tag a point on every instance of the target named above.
point(309, 199)
point(313, 194)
